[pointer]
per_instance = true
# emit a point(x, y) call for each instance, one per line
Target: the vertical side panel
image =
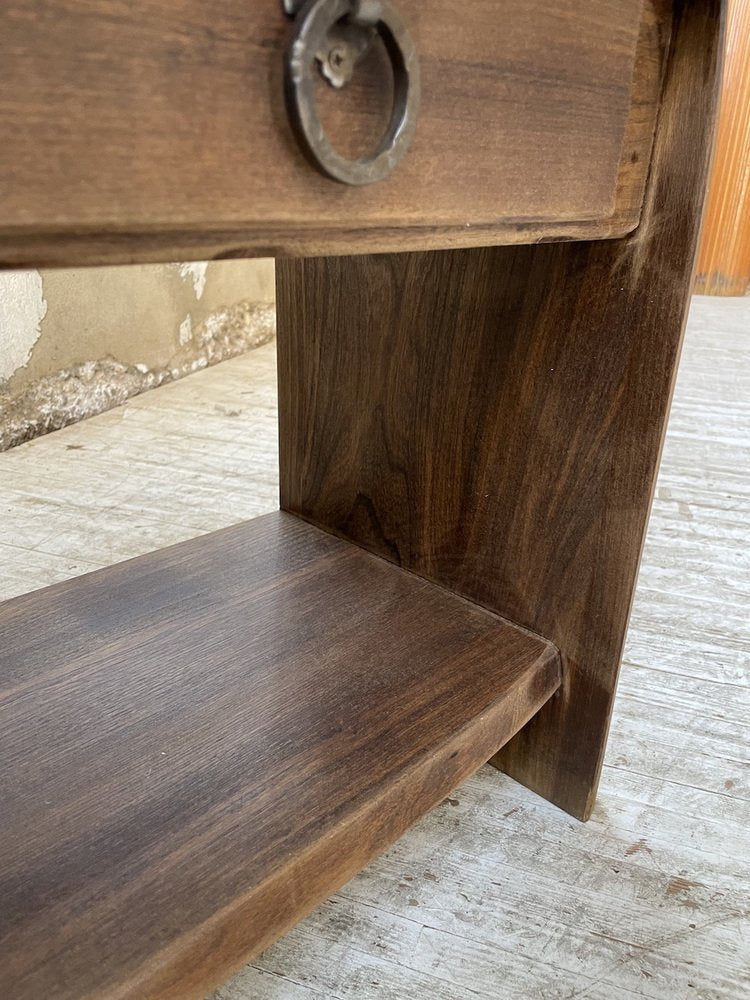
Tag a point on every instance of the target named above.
point(492, 419)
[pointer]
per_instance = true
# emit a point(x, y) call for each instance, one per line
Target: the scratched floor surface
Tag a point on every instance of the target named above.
point(495, 894)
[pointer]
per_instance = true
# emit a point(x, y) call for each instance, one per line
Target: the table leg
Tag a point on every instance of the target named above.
point(492, 419)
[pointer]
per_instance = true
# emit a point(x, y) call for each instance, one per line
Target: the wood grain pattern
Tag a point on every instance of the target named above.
point(151, 130)
point(493, 894)
point(723, 266)
point(200, 744)
point(492, 419)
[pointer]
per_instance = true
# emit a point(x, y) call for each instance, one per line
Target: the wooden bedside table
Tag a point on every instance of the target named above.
point(476, 357)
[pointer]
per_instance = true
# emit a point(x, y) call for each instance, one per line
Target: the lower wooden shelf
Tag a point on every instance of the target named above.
point(199, 745)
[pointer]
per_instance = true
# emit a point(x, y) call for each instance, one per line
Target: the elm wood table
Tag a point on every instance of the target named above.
point(200, 744)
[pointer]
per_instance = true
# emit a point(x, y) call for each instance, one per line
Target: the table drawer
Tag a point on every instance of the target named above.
point(147, 129)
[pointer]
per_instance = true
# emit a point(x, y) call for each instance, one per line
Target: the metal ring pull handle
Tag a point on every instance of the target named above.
point(313, 26)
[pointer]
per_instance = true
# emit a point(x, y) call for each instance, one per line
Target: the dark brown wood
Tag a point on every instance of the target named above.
point(153, 130)
point(492, 419)
point(199, 745)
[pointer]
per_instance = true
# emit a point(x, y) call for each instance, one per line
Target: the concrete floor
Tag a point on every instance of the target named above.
point(495, 894)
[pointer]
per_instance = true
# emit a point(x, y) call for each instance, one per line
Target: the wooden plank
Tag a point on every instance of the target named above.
point(492, 419)
point(723, 266)
point(200, 744)
point(151, 130)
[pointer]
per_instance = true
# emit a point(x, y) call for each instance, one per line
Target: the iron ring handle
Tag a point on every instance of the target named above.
point(311, 27)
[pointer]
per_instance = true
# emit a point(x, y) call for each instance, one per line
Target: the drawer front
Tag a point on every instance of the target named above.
point(147, 129)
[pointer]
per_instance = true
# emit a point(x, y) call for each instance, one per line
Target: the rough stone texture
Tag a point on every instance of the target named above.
point(74, 393)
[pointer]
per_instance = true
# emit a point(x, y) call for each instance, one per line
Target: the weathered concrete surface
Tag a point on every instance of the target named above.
point(82, 390)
